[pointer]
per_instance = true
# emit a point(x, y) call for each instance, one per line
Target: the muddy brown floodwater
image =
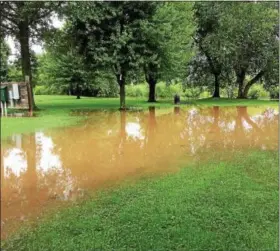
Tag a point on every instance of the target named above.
point(47, 168)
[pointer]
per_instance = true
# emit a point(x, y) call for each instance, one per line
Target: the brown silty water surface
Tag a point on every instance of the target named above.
point(44, 169)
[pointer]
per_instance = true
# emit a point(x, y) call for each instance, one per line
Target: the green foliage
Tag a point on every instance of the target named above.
point(14, 73)
point(26, 22)
point(258, 92)
point(137, 91)
point(60, 74)
point(117, 44)
point(207, 63)
point(274, 92)
point(62, 68)
point(167, 41)
point(117, 29)
point(179, 19)
point(237, 39)
point(46, 90)
point(253, 46)
point(4, 54)
point(103, 43)
point(108, 87)
point(164, 90)
point(193, 92)
point(229, 92)
point(37, 15)
point(205, 94)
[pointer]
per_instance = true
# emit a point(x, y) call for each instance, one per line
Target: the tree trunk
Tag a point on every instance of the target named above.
point(240, 77)
point(216, 93)
point(121, 82)
point(122, 96)
point(152, 92)
point(25, 55)
point(152, 88)
point(251, 82)
point(78, 91)
point(245, 91)
point(70, 90)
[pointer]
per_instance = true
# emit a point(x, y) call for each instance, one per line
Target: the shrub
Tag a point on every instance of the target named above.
point(140, 90)
point(110, 89)
point(274, 92)
point(161, 90)
point(175, 88)
point(168, 91)
point(44, 90)
point(258, 92)
point(205, 94)
point(192, 92)
point(223, 93)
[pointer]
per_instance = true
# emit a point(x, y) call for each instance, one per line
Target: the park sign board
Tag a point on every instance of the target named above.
point(15, 94)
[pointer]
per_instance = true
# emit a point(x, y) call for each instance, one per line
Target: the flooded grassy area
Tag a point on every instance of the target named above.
point(55, 110)
point(180, 178)
point(214, 206)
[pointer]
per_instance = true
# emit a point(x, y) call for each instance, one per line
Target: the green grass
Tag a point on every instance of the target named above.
point(220, 205)
point(55, 110)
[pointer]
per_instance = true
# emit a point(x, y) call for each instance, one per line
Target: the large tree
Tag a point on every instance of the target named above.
point(249, 36)
point(108, 34)
point(205, 37)
point(25, 21)
point(238, 38)
point(62, 70)
point(167, 41)
point(61, 66)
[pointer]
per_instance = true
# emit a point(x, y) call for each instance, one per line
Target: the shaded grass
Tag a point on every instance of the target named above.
point(55, 110)
point(220, 205)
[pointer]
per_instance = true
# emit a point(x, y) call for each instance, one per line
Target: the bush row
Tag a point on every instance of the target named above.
point(163, 90)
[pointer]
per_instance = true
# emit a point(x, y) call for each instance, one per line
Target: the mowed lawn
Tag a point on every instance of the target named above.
point(222, 205)
point(55, 110)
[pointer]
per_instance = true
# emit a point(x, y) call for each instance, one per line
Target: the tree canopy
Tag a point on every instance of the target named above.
point(237, 38)
point(26, 22)
point(105, 45)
